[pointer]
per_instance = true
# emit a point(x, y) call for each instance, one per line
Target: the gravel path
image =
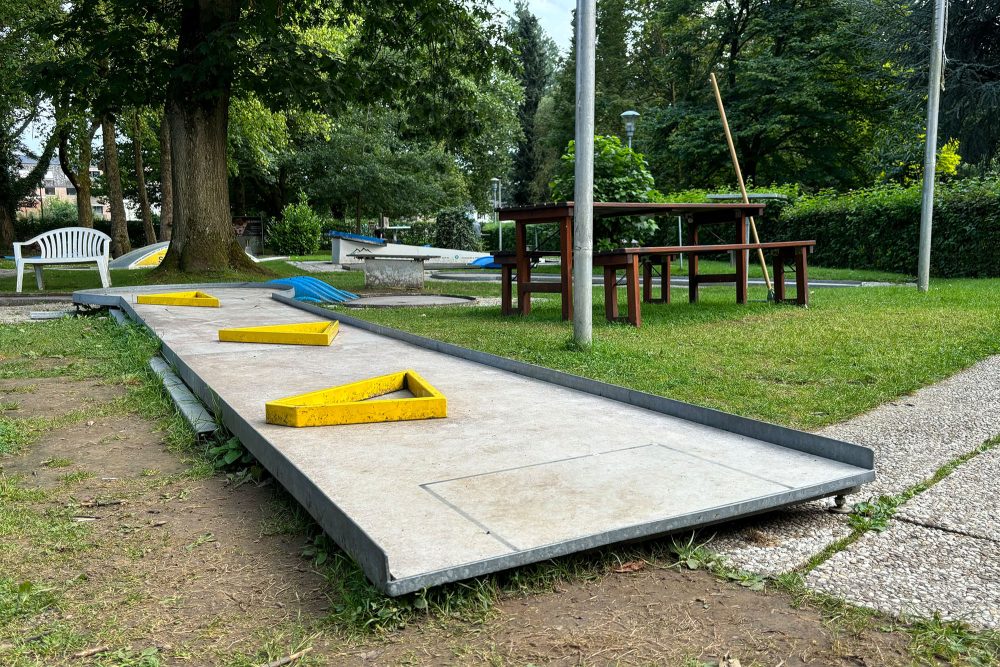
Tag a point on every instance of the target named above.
point(20, 314)
point(917, 434)
point(916, 570)
point(938, 554)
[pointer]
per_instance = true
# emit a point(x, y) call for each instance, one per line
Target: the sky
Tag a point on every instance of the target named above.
point(555, 16)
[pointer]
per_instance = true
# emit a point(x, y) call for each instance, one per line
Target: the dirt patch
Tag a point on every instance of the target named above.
point(52, 397)
point(203, 571)
point(658, 616)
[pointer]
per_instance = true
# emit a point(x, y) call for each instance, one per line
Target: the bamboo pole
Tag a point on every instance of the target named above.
point(743, 188)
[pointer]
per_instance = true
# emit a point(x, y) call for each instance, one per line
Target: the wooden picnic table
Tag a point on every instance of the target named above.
point(696, 216)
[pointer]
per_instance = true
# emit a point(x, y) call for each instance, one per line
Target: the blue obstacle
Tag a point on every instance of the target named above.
point(313, 290)
point(484, 263)
point(356, 237)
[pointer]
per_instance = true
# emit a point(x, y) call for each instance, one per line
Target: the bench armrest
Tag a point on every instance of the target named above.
point(17, 250)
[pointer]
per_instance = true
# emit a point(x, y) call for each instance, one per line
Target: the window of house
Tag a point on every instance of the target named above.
point(99, 210)
point(71, 192)
point(50, 191)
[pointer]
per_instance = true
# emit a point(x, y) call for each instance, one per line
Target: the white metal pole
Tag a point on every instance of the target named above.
point(583, 193)
point(930, 148)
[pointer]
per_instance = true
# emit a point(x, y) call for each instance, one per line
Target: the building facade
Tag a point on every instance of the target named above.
point(55, 185)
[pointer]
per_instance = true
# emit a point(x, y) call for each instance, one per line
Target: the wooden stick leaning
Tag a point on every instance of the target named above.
point(743, 188)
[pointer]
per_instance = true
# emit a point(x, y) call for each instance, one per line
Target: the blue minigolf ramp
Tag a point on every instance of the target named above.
point(485, 263)
point(313, 290)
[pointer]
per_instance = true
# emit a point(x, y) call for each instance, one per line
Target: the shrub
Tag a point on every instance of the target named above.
point(298, 231)
point(879, 228)
point(421, 232)
point(453, 229)
point(620, 175)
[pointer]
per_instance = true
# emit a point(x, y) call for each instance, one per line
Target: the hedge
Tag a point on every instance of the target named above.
point(879, 228)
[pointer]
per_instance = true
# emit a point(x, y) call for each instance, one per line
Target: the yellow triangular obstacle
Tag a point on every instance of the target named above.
point(305, 333)
point(179, 299)
point(347, 403)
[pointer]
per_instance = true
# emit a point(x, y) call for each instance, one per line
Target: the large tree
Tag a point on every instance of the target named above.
point(803, 92)
point(535, 53)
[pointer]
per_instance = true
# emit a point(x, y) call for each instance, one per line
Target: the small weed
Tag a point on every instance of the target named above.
point(57, 462)
point(934, 641)
point(126, 657)
point(9, 405)
point(14, 434)
point(22, 599)
point(204, 538)
point(76, 476)
point(149, 472)
point(231, 457)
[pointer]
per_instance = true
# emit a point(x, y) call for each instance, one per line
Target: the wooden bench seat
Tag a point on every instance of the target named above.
point(629, 259)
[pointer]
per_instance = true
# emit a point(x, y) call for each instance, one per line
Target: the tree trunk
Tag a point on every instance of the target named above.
point(6, 229)
point(198, 113)
point(80, 177)
point(140, 181)
point(166, 182)
point(119, 228)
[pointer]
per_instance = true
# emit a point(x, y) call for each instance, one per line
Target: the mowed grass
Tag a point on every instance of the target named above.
point(851, 350)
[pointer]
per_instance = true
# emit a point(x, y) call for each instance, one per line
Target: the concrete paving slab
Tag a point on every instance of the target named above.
point(523, 469)
point(915, 435)
point(967, 501)
point(915, 570)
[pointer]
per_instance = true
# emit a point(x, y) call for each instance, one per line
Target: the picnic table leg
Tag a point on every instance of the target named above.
point(693, 265)
point(647, 281)
point(611, 293)
point(632, 289)
point(566, 269)
point(665, 279)
point(801, 277)
point(780, 258)
point(742, 256)
point(506, 297)
point(523, 269)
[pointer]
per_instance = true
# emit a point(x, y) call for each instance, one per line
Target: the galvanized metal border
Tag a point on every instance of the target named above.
point(810, 443)
point(373, 560)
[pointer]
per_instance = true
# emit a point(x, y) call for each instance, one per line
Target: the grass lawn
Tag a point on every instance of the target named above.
point(853, 349)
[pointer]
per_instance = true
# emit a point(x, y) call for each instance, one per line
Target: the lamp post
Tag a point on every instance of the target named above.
point(630, 117)
point(496, 215)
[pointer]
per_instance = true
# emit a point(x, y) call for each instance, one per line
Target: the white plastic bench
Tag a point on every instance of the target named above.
point(69, 245)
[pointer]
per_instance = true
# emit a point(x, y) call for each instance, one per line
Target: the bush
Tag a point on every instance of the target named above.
point(298, 231)
point(879, 228)
point(453, 229)
point(620, 175)
point(421, 232)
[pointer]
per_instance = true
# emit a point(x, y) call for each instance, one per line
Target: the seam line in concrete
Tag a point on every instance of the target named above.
point(468, 517)
point(535, 465)
point(945, 529)
point(723, 465)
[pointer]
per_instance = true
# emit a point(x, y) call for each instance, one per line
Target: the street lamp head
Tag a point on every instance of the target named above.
point(630, 117)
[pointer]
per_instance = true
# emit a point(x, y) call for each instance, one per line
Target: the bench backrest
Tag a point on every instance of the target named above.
point(72, 242)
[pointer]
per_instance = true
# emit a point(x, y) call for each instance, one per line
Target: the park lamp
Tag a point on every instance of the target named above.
point(630, 117)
